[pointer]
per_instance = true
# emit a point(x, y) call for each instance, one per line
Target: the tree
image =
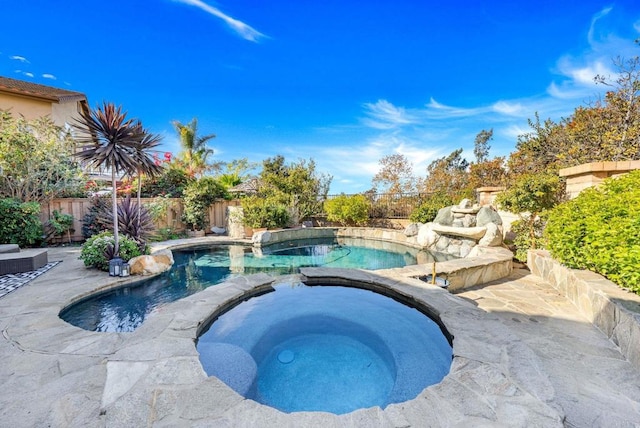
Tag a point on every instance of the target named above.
point(482, 146)
point(395, 175)
point(198, 197)
point(108, 138)
point(605, 130)
point(235, 172)
point(171, 183)
point(538, 151)
point(297, 185)
point(624, 140)
point(530, 197)
point(448, 175)
point(194, 152)
point(485, 172)
point(35, 159)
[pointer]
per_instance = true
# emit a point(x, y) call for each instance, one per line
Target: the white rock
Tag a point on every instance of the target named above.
point(426, 236)
point(412, 229)
point(493, 237)
point(465, 203)
point(261, 237)
point(465, 232)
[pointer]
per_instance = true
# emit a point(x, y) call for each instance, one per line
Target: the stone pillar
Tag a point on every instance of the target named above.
point(592, 174)
point(487, 195)
point(235, 228)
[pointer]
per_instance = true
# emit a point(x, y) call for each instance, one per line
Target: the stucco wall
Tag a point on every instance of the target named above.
point(28, 107)
point(64, 113)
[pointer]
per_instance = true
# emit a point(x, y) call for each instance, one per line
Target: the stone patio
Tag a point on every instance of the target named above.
point(523, 356)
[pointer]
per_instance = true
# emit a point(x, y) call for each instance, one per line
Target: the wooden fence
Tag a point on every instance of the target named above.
point(79, 207)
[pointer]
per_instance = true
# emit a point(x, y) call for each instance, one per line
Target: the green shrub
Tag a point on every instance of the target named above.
point(348, 210)
point(530, 197)
point(523, 240)
point(197, 198)
point(598, 231)
point(264, 212)
point(20, 223)
point(59, 224)
point(171, 183)
point(426, 212)
point(97, 251)
point(166, 234)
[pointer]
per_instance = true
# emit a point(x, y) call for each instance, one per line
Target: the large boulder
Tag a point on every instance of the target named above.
point(493, 236)
point(426, 236)
point(261, 238)
point(444, 216)
point(155, 263)
point(487, 215)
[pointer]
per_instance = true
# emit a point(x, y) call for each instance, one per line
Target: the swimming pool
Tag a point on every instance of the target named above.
point(125, 309)
point(325, 348)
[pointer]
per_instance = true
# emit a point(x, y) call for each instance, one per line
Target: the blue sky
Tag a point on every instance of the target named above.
point(342, 82)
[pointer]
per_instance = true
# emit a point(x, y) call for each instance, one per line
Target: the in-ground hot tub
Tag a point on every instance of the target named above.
point(325, 348)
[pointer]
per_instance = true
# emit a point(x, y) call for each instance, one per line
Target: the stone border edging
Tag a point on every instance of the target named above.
point(615, 311)
point(482, 265)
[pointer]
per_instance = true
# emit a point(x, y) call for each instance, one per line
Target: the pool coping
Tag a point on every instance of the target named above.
point(484, 264)
point(153, 375)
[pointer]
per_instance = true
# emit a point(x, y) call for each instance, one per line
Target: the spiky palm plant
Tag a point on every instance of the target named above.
point(107, 138)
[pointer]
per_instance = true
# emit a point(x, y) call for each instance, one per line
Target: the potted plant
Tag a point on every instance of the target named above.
point(197, 198)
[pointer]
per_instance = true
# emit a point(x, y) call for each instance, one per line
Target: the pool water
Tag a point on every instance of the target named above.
point(325, 348)
point(125, 309)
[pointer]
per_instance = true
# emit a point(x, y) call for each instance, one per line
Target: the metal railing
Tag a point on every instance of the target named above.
point(392, 205)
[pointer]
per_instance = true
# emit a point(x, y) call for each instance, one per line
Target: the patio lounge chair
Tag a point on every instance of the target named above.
point(14, 260)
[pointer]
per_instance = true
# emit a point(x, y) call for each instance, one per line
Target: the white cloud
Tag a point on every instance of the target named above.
point(508, 108)
point(583, 74)
point(384, 115)
point(591, 35)
point(439, 110)
point(49, 76)
point(19, 58)
point(514, 131)
point(245, 31)
point(24, 73)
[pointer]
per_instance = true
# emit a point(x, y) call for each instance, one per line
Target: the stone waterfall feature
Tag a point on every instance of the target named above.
point(458, 229)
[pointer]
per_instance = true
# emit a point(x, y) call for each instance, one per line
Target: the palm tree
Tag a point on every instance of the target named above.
point(108, 139)
point(194, 148)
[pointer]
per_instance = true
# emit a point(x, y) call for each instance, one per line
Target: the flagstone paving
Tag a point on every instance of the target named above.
point(594, 384)
point(523, 357)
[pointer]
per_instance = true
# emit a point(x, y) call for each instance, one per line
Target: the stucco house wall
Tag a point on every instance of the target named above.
point(33, 100)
